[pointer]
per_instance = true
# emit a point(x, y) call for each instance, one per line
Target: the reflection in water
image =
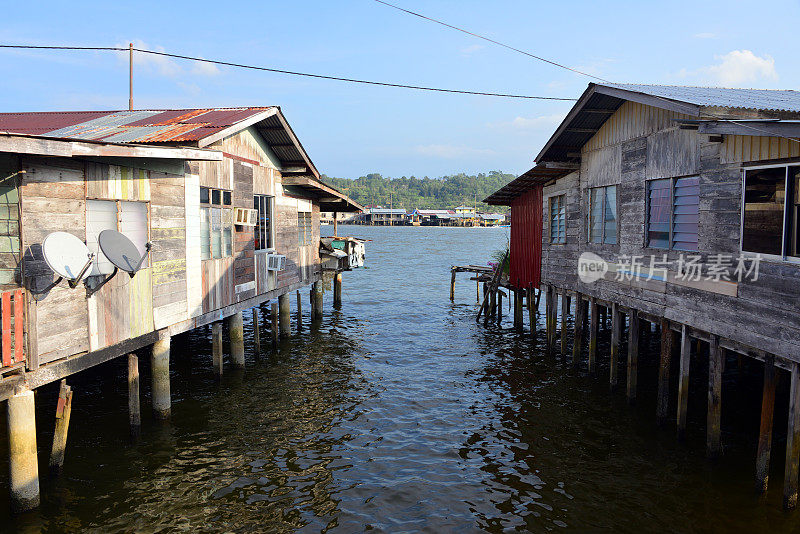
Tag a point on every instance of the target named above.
point(397, 412)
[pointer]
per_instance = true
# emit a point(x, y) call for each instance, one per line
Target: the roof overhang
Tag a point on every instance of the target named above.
point(538, 176)
point(54, 146)
point(591, 111)
point(329, 198)
point(767, 127)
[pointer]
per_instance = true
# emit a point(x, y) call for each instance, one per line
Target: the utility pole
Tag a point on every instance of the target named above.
point(130, 76)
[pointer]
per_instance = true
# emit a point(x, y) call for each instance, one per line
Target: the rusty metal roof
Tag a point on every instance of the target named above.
point(139, 126)
point(197, 127)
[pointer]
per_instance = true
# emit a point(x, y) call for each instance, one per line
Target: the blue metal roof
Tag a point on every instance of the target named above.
point(758, 99)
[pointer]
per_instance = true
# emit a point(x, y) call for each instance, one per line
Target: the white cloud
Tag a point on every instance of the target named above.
point(705, 35)
point(742, 66)
point(541, 122)
point(451, 151)
point(163, 65)
point(471, 49)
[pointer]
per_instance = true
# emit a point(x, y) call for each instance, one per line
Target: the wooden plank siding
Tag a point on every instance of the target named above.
point(243, 236)
point(636, 145)
point(53, 200)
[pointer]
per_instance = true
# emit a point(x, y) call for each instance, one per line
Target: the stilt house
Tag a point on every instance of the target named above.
point(688, 199)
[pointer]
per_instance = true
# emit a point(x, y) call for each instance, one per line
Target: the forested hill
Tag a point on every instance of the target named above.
point(446, 192)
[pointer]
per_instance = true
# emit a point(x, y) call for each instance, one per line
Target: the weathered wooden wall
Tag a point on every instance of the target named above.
point(762, 313)
point(9, 220)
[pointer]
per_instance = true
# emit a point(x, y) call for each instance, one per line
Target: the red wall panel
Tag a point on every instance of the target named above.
point(526, 239)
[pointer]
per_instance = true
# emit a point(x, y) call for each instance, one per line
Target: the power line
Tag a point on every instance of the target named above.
point(492, 41)
point(293, 73)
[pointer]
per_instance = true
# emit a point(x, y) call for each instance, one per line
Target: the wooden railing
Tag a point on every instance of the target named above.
point(12, 318)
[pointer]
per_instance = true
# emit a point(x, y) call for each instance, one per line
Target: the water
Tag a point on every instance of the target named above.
point(401, 413)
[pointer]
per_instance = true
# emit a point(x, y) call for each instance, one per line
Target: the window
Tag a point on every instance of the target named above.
point(128, 218)
point(673, 213)
point(216, 224)
point(602, 221)
point(304, 228)
point(263, 228)
point(558, 232)
point(771, 211)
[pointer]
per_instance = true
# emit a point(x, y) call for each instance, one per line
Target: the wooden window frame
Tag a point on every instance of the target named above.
point(118, 206)
point(222, 206)
point(307, 229)
point(788, 200)
point(270, 200)
point(603, 214)
point(671, 222)
point(563, 200)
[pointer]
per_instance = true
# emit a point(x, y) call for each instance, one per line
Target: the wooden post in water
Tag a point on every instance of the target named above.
point(713, 419)
point(256, 333)
point(452, 285)
point(285, 314)
point(159, 377)
point(134, 405)
point(792, 440)
point(683, 381)
point(493, 300)
point(477, 290)
point(23, 465)
point(519, 313)
point(531, 312)
point(337, 290)
point(216, 347)
point(274, 320)
point(616, 334)
point(498, 307)
point(317, 304)
point(564, 315)
point(299, 311)
point(594, 331)
point(550, 325)
point(765, 430)
point(63, 411)
point(633, 355)
point(580, 318)
point(662, 403)
point(236, 337)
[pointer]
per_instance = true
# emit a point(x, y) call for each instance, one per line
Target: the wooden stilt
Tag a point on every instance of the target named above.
point(713, 419)
point(23, 463)
point(318, 299)
point(477, 290)
point(256, 333)
point(564, 316)
point(531, 312)
point(616, 334)
point(633, 355)
point(498, 307)
point(683, 381)
point(63, 411)
point(765, 430)
point(594, 331)
point(792, 441)
point(337, 290)
point(580, 318)
point(216, 347)
point(452, 285)
point(134, 405)
point(550, 325)
point(299, 311)
point(518, 310)
point(495, 297)
point(285, 315)
point(662, 403)
point(159, 378)
point(275, 320)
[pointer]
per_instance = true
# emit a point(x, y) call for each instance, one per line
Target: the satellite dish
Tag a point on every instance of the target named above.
point(67, 256)
point(121, 251)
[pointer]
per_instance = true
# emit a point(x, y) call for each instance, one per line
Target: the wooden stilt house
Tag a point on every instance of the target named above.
point(678, 206)
point(228, 198)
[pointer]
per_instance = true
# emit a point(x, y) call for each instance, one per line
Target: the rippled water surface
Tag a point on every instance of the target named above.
point(400, 413)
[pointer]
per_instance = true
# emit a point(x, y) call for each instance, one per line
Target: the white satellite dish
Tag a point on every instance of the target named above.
point(67, 256)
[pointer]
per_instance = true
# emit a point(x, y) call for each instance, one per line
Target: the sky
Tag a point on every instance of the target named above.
point(350, 130)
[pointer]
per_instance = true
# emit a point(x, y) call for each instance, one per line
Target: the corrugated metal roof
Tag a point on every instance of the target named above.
point(139, 126)
point(756, 99)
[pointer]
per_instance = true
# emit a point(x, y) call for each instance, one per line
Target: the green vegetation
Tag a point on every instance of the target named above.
point(446, 192)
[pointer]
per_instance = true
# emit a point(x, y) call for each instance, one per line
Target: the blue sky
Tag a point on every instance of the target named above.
point(350, 130)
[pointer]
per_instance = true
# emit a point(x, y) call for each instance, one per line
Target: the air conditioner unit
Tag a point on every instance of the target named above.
point(245, 216)
point(276, 262)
